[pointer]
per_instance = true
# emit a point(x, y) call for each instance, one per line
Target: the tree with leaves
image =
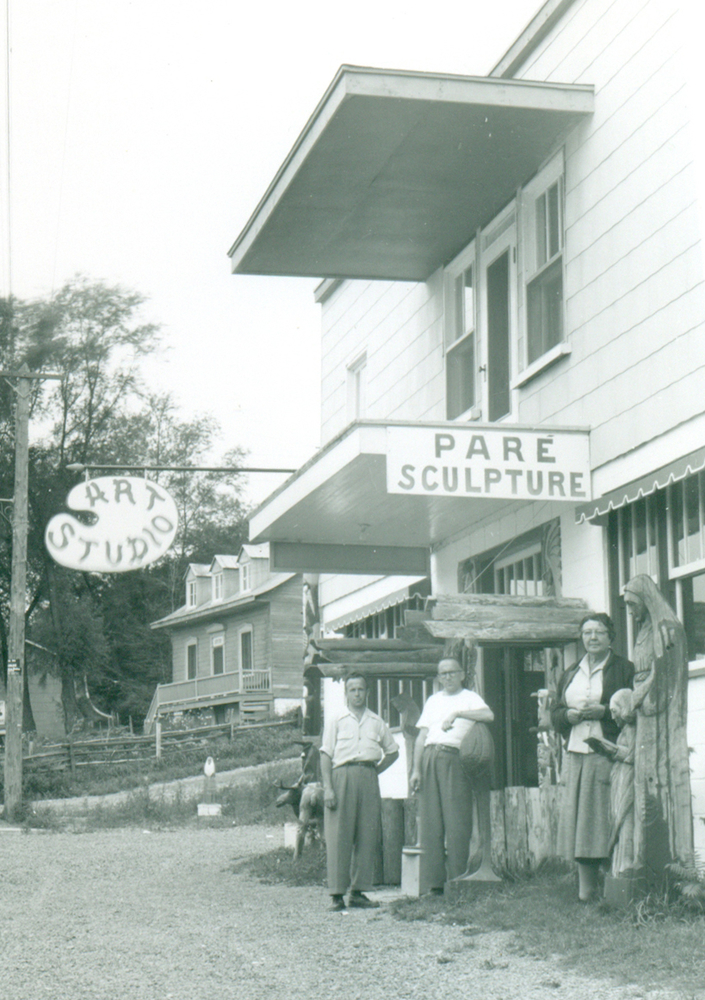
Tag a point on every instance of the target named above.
point(97, 627)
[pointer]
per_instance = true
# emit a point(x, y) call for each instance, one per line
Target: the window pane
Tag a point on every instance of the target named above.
point(541, 248)
point(554, 221)
point(544, 302)
point(678, 534)
point(641, 563)
point(191, 661)
point(468, 302)
point(694, 615)
point(218, 659)
point(246, 651)
point(692, 515)
point(498, 338)
point(460, 377)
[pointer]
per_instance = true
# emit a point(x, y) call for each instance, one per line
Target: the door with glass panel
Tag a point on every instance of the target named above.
point(498, 315)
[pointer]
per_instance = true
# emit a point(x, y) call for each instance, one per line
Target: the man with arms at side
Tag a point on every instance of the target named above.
point(357, 746)
point(445, 794)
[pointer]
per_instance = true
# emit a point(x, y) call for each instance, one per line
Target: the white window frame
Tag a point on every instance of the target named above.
point(246, 630)
point(191, 593)
point(460, 330)
point(218, 586)
point(530, 553)
point(191, 644)
point(356, 387)
point(217, 642)
point(245, 577)
point(533, 265)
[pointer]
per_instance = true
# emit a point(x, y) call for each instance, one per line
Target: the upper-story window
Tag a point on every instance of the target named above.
point(460, 355)
point(218, 586)
point(356, 388)
point(245, 577)
point(460, 340)
point(191, 594)
point(543, 250)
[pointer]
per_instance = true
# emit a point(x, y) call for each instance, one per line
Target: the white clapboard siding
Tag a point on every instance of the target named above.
point(594, 33)
point(399, 327)
point(636, 269)
point(655, 153)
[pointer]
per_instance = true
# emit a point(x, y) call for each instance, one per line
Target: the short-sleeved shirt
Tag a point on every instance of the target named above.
point(347, 739)
point(437, 709)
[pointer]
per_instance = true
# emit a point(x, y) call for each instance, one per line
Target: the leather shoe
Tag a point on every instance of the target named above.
point(337, 904)
point(360, 901)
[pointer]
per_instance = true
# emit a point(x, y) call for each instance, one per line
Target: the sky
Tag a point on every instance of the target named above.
point(142, 135)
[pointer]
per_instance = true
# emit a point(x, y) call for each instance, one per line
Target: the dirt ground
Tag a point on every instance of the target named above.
point(162, 916)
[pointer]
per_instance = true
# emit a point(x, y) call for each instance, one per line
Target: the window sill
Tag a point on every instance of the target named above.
point(541, 364)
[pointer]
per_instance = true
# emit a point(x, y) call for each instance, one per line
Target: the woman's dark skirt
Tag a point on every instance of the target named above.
point(584, 821)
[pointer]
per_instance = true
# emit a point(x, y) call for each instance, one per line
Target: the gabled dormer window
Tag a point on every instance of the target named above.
point(218, 586)
point(191, 594)
point(245, 578)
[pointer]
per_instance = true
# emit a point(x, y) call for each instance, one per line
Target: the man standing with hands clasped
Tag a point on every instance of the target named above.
point(357, 746)
point(445, 794)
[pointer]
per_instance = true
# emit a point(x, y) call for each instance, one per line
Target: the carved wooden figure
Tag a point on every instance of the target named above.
point(663, 822)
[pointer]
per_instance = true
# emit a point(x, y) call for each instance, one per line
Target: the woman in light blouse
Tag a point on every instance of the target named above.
point(581, 710)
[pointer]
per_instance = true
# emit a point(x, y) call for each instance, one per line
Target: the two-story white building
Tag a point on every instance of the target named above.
point(513, 341)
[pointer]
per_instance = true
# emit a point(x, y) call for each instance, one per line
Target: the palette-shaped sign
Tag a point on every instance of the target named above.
point(124, 523)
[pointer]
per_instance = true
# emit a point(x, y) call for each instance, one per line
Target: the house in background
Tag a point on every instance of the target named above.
point(513, 352)
point(236, 642)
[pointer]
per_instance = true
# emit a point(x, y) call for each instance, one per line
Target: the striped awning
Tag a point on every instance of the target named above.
point(598, 509)
point(373, 608)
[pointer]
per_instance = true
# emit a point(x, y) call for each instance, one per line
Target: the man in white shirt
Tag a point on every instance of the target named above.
point(357, 746)
point(445, 794)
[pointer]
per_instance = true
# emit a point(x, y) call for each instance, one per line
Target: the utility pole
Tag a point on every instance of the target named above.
point(18, 597)
point(18, 592)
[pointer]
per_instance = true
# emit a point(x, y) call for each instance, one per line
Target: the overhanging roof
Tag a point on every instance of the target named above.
point(335, 514)
point(395, 171)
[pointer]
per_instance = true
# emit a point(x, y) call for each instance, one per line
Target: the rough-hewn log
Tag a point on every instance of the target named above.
point(368, 644)
point(497, 613)
point(510, 632)
point(507, 600)
point(420, 656)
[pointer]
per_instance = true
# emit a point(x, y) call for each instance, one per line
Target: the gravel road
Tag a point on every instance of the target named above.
point(162, 916)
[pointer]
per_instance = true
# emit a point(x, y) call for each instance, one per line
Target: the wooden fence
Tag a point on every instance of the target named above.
point(121, 749)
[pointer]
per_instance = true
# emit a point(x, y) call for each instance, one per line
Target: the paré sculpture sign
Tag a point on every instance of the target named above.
point(516, 463)
point(127, 523)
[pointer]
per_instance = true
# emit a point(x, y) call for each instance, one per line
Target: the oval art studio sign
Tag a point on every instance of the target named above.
point(131, 523)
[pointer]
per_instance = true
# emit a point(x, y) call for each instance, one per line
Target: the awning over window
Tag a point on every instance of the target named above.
point(395, 171)
point(372, 608)
point(598, 509)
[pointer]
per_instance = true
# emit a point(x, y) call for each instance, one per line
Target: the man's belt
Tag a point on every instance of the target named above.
point(442, 746)
point(358, 763)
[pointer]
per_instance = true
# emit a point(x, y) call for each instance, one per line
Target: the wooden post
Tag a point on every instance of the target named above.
point(392, 840)
point(18, 588)
point(158, 738)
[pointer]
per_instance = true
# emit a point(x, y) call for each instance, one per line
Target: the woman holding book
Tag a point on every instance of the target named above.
point(581, 712)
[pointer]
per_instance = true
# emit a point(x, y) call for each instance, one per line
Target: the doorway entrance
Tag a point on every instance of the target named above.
point(512, 677)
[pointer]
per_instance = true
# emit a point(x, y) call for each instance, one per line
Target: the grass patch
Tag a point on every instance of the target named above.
point(651, 944)
point(281, 868)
